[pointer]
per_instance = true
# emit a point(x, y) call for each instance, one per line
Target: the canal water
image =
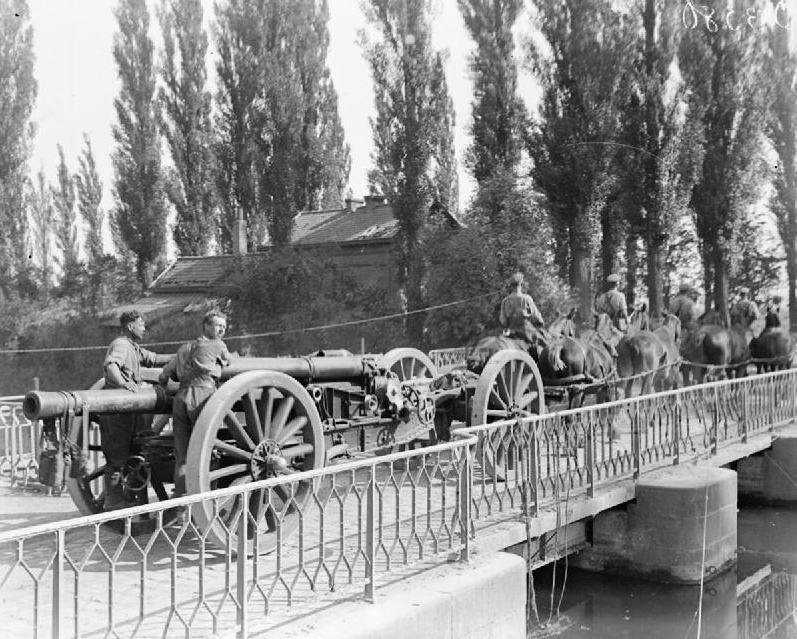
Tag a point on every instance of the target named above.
point(755, 600)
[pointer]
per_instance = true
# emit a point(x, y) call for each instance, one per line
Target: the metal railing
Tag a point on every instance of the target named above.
point(444, 357)
point(19, 442)
point(768, 606)
point(153, 570)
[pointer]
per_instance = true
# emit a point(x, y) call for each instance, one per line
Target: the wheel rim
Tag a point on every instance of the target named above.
point(509, 387)
point(258, 425)
point(406, 363)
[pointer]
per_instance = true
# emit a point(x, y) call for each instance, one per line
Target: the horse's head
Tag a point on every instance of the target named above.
point(639, 319)
point(712, 317)
point(772, 319)
point(563, 325)
point(739, 319)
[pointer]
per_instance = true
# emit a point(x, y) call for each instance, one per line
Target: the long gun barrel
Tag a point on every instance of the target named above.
point(154, 399)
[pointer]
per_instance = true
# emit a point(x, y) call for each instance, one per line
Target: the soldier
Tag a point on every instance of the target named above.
point(773, 307)
point(197, 367)
point(612, 302)
point(122, 366)
point(745, 308)
point(519, 314)
point(683, 306)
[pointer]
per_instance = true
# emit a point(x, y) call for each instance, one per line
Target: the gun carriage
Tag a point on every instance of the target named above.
point(279, 416)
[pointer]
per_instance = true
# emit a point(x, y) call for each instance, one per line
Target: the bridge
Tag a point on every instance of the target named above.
point(537, 486)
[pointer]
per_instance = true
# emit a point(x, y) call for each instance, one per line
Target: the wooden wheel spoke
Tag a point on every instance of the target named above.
point(257, 505)
point(495, 398)
point(232, 451)
point(267, 412)
point(502, 386)
point(291, 429)
point(254, 426)
point(524, 379)
point(94, 475)
point(281, 417)
point(235, 469)
point(238, 431)
point(492, 412)
point(292, 452)
point(527, 398)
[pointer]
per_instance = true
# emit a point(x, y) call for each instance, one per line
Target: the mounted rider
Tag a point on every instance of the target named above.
point(519, 315)
point(612, 302)
point(745, 307)
point(683, 306)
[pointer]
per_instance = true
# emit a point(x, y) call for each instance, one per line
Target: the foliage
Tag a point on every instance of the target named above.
point(281, 145)
point(17, 95)
point(782, 132)
point(63, 198)
point(498, 113)
point(580, 64)
point(186, 125)
point(722, 72)
point(412, 130)
point(139, 215)
point(39, 203)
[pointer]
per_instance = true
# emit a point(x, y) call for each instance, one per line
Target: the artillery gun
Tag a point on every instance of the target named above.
point(279, 416)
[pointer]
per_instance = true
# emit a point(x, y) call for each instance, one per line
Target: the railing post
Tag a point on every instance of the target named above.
point(534, 469)
point(745, 410)
point(676, 430)
point(772, 400)
point(589, 456)
point(58, 579)
point(636, 443)
point(242, 567)
point(465, 487)
point(714, 437)
point(370, 535)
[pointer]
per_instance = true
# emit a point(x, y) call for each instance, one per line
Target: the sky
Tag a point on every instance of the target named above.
point(78, 82)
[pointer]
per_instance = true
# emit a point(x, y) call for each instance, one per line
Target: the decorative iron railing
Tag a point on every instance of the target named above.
point(19, 442)
point(152, 570)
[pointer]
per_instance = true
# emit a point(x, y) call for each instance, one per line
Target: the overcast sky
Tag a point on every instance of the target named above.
point(78, 81)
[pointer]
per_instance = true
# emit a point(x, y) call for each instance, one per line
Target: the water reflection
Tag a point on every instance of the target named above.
point(758, 599)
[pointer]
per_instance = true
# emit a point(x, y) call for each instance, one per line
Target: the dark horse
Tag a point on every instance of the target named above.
point(488, 346)
point(774, 344)
point(649, 355)
point(707, 344)
point(591, 355)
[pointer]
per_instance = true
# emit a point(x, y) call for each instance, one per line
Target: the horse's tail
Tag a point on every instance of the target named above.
point(554, 358)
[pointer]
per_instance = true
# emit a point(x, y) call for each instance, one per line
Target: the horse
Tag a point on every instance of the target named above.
point(669, 332)
point(740, 335)
point(707, 344)
point(592, 355)
point(642, 353)
point(486, 347)
point(774, 343)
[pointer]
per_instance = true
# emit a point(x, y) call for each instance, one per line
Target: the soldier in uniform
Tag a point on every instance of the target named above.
point(612, 302)
point(745, 307)
point(519, 314)
point(122, 367)
point(773, 306)
point(683, 306)
point(197, 367)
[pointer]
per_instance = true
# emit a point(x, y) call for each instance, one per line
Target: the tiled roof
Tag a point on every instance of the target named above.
point(364, 223)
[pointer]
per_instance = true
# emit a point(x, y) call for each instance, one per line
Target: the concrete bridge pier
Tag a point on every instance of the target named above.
point(770, 476)
point(660, 536)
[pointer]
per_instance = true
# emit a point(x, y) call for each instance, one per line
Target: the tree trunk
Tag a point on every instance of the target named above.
point(609, 241)
point(413, 292)
point(656, 265)
point(631, 259)
point(721, 286)
point(580, 280)
point(791, 253)
point(708, 276)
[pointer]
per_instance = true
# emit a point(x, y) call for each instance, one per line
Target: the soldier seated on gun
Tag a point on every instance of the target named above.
point(197, 367)
point(122, 367)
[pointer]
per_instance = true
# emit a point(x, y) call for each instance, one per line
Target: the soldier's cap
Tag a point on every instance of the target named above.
point(613, 278)
point(777, 299)
point(517, 278)
point(684, 288)
point(128, 316)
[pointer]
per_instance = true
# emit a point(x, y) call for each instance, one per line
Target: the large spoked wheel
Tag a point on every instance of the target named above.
point(406, 364)
point(509, 387)
point(258, 425)
point(88, 489)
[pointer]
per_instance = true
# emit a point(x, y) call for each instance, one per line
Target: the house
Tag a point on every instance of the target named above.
point(360, 238)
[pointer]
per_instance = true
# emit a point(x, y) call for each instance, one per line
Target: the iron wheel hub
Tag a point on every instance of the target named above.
point(267, 460)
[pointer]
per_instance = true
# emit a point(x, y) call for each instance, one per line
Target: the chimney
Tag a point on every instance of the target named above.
point(353, 203)
point(239, 235)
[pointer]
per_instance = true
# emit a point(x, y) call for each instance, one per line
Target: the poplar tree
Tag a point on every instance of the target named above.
point(88, 188)
point(782, 130)
point(281, 144)
point(723, 71)
point(411, 129)
point(581, 70)
point(186, 125)
point(139, 214)
point(43, 217)
point(17, 96)
point(63, 198)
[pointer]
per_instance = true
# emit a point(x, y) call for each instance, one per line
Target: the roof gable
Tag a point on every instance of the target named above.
point(344, 225)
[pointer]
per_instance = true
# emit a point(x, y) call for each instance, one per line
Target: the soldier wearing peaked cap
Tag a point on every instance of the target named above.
point(612, 302)
point(745, 307)
point(683, 306)
point(519, 314)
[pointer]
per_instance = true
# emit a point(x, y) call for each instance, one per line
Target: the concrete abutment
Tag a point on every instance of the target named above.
point(770, 476)
point(660, 535)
